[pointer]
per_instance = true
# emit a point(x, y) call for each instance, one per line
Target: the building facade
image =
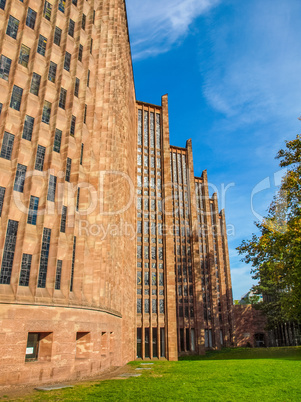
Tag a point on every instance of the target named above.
point(184, 294)
point(110, 247)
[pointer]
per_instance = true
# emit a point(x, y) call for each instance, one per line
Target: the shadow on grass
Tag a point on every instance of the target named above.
point(284, 353)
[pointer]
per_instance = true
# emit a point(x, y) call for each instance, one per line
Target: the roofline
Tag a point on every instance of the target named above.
point(148, 104)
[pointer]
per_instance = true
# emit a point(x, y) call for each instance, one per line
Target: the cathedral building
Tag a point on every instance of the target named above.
point(110, 248)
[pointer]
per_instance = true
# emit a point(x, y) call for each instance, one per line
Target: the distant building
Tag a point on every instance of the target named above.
point(111, 248)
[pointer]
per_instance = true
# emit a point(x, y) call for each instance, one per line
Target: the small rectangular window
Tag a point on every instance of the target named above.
point(5, 64)
point(40, 158)
point(57, 140)
point(52, 72)
point(2, 4)
point(16, 98)
point(51, 188)
point(9, 252)
point(32, 347)
point(28, 128)
point(47, 10)
point(44, 257)
point(67, 61)
point(68, 170)
point(85, 114)
point(81, 154)
point(80, 53)
point(57, 36)
point(42, 45)
point(72, 126)
point(58, 274)
point(63, 96)
point(46, 112)
point(71, 28)
point(12, 27)
point(24, 55)
point(33, 210)
point(35, 84)
point(2, 194)
point(63, 219)
point(62, 5)
point(84, 22)
point(31, 18)
point(25, 270)
point(76, 89)
point(20, 178)
point(88, 79)
point(39, 346)
point(7, 146)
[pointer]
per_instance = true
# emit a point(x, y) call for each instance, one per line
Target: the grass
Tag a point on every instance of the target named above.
point(229, 375)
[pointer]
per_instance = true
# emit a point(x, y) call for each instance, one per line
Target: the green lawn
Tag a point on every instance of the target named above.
point(230, 375)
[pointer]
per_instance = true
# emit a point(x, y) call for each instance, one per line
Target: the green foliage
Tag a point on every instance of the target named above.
point(275, 254)
point(252, 375)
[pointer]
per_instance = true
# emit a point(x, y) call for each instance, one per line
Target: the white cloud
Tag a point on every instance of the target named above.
point(156, 25)
point(255, 63)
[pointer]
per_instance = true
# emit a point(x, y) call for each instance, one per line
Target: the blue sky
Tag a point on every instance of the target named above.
point(232, 69)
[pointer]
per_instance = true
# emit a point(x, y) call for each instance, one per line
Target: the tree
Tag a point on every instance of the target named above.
point(275, 254)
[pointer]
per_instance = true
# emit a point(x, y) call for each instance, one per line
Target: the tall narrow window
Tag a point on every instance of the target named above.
point(42, 45)
point(9, 252)
point(44, 258)
point(72, 265)
point(76, 89)
point(57, 140)
point(71, 28)
point(31, 18)
point(46, 112)
point(85, 114)
point(47, 10)
point(7, 146)
point(33, 210)
point(12, 27)
point(91, 45)
point(63, 219)
point(40, 158)
point(72, 125)
point(88, 79)
point(2, 194)
point(162, 341)
point(81, 154)
point(51, 188)
point(146, 342)
point(24, 55)
point(77, 198)
point(83, 22)
point(139, 343)
point(62, 4)
point(58, 274)
point(25, 270)
point(2, 4)
point(93, 16)
point(80, 53)
point(1, 105)
point(35, 84)
point(68, 169)
point(52, 72)
point(57, 36)
point(67, 61)
point(16, 98)
point(5, 64)
point(63, 96)
point(20, 178)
